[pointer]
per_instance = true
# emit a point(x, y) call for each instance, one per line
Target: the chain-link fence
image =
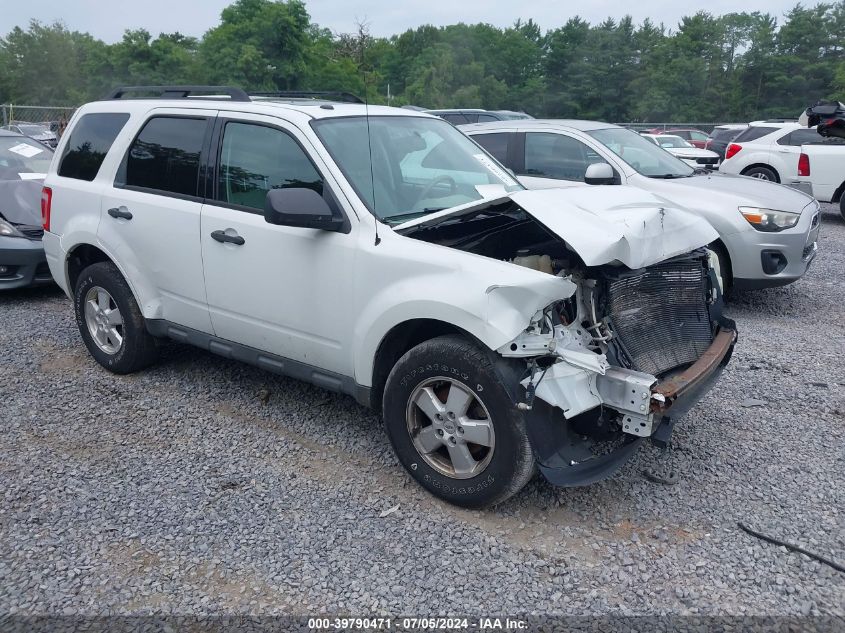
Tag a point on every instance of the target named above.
point(53, 117)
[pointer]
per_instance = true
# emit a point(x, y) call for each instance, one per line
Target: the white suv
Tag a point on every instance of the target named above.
point(769, 150)
point(379, 252)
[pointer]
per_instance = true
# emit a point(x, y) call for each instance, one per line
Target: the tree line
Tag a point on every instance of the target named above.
point(734, 67)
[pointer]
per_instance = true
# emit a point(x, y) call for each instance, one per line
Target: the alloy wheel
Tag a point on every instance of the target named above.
point(104, 321)
point(450, 427)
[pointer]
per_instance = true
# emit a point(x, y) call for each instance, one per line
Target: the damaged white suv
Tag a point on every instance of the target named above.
point(379, 252)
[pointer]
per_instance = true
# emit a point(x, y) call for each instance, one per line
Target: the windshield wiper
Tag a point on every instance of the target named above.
point(404, 217)
point(670, 176)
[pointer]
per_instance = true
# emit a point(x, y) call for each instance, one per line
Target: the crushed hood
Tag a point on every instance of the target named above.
point(604, 224)
point(20, 201)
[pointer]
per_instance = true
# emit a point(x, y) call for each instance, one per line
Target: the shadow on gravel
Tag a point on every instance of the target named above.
point(31, 294)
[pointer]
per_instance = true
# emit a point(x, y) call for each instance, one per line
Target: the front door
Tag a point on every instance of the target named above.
point(278, 289)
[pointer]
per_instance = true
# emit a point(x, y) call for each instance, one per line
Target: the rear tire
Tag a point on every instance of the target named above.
point(762, 173)
point(476, 453)
point(110, 321)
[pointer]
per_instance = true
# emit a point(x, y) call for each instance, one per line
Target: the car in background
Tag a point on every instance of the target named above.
point(23, 166)
point(769, 150)
point(721, 136)
point(465, 116)
point(822, 167)
point(696, 137)
point(692, 156)
point(37, 131)
point(767, 232)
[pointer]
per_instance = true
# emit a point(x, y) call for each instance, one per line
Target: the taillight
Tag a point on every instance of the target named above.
point(46, 202)
point(733, 150)
point(803, 165)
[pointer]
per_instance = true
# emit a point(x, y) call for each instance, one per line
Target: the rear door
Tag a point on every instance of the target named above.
point(151, 213)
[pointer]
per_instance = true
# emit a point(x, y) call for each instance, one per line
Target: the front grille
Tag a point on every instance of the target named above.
point(659, 314)
point(710, 160)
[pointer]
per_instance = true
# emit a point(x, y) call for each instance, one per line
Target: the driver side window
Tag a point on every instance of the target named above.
point(255, 159)
point(557, 156)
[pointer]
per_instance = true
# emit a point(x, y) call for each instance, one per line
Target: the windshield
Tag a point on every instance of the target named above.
point(32, 130)
point(19, 155)
point(641, 154)
point(419, 165)
point(672, 141)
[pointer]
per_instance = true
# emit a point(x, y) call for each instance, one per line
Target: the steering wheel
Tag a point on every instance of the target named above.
point(453, 187)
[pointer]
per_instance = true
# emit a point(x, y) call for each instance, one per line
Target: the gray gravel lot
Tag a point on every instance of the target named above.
point(177, 490)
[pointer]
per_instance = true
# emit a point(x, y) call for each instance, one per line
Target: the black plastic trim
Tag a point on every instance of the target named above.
point(329, 380)
point(178, 92)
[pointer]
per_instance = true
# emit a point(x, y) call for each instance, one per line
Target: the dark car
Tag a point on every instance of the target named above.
point(23, 165)
point(693, 136)
point(464, 116)
point(721, 137)
point(40, 132)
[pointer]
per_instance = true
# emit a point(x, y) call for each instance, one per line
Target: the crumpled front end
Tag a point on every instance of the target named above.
point(620, 361)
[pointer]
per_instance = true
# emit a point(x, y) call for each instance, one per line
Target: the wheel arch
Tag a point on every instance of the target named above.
point(768, 166)
point(84, 254)
point(400, 339)
point(721, 248)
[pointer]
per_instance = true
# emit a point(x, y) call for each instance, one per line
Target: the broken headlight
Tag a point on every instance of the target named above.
point(768, 220)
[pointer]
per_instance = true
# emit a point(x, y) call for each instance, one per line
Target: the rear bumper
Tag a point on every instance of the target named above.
point(24, 262)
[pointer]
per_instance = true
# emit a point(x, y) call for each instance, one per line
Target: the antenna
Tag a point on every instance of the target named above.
point(362, 37)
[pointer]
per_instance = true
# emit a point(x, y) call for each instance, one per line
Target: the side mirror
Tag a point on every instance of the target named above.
point(599, 174)
point(301, 208)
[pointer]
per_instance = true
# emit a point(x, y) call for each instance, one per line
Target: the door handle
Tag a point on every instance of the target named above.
point(223, 237)
point(118, 213)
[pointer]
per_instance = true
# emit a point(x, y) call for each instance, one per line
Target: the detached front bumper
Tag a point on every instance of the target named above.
point(22, 263)
point(648, 409)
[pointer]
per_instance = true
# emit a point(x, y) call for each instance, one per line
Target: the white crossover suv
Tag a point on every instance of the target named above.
point(380, 253)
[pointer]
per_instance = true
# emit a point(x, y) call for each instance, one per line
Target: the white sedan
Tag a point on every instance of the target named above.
point(692, 156)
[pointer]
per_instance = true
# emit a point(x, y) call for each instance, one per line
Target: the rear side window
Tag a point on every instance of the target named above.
point(722, 134)
point(456, 119)
point(495, 144)
point(485, 118)
point(165, 156)
point(753, 133)
point(89, 142)
point(808, 136)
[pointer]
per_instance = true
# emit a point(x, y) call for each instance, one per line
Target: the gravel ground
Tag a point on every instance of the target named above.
point(178, 490)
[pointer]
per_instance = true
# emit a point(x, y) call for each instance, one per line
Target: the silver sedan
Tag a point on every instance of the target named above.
point(767, 232)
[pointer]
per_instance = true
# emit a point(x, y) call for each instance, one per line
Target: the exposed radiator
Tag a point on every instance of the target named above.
point(660, 314)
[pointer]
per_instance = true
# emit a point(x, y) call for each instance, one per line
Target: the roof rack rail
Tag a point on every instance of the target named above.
point(780, 119)
point(178, 92)
point(329, 95)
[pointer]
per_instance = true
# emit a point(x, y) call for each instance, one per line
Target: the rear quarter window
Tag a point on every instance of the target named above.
point(89, 142)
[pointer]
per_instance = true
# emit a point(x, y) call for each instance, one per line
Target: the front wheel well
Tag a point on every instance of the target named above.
point(79, 259)
point(724, 259)
point(397, 342)
point(764, 166)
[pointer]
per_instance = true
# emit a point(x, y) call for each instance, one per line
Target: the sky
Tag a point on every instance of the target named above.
point(108, 20)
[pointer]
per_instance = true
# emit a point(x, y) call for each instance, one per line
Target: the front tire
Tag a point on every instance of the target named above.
point(110, 321)
point(453, 426)
point(842, 206)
